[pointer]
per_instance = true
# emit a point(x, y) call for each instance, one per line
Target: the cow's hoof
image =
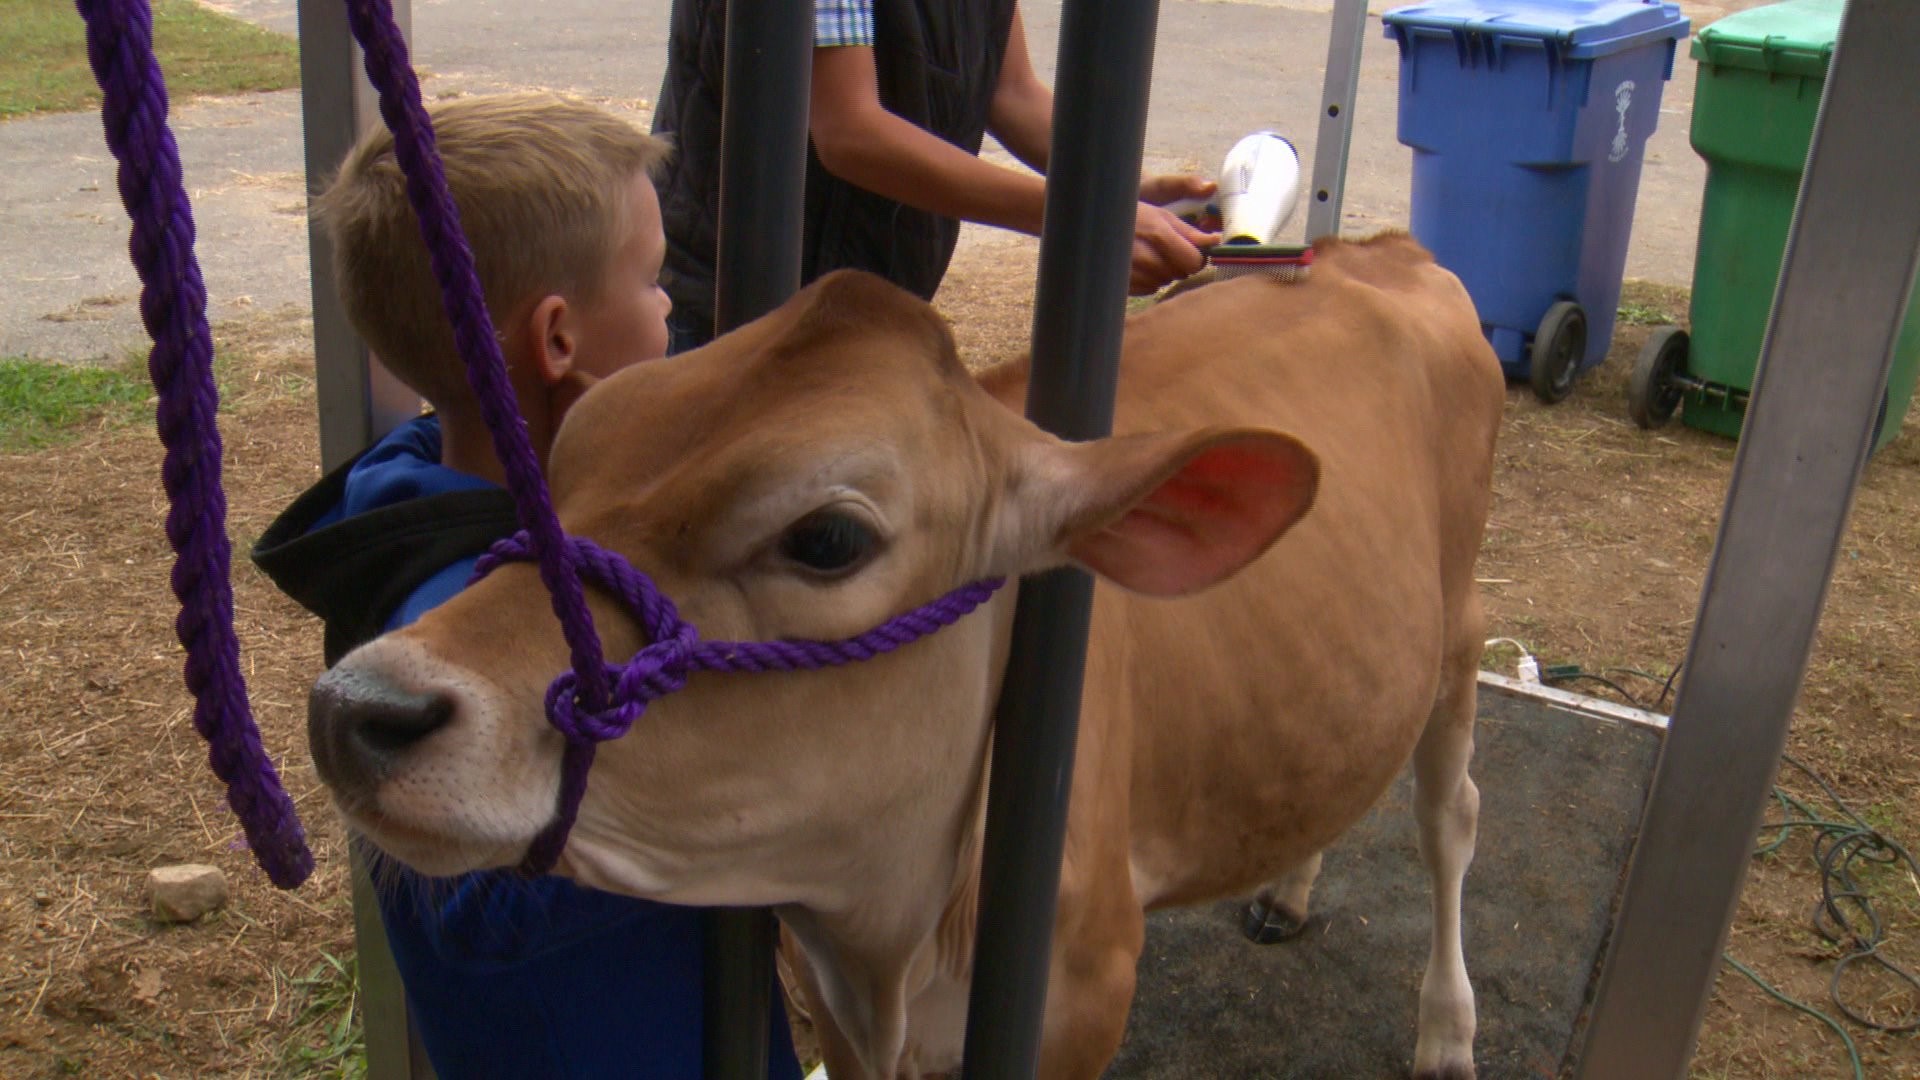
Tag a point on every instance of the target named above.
point(1447, 1072)
point(1269, 924)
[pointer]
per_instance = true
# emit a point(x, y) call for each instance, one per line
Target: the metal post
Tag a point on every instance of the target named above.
point(1849, 269)
point(394, 1049)
point(358, 402)
point(1336, 118)
point(1104, 67)
point(763, 169)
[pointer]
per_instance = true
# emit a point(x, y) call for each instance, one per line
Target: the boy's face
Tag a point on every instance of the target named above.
point(627, 322)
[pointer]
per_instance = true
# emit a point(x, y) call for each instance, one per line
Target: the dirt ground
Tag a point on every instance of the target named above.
point(1600, 536)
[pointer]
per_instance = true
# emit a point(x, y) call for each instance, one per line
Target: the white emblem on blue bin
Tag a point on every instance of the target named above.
point(1622, 99)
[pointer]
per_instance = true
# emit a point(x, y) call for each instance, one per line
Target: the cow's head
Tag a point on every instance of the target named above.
point(807, 477)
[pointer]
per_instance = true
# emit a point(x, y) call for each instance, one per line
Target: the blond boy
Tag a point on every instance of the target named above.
point(505, 977)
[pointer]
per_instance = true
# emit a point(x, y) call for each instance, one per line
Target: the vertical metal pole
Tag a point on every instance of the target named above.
point(394, 1050)
point(763, 157)
point(358, 402)
point(763, 169)
point(1849, 269)
point(1104, 68)
point(1336, 118)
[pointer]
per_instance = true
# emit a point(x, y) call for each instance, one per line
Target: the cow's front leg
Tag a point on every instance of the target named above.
point(1097, 939)
point(1448, 808)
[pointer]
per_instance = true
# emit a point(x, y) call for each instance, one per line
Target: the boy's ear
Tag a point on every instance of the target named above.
point(552, 346)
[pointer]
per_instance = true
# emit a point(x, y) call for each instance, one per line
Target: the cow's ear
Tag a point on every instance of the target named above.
point(1163, 515)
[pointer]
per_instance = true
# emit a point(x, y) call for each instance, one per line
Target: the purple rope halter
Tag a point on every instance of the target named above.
point(676, 651)
point(173, 304)
point(596, 701)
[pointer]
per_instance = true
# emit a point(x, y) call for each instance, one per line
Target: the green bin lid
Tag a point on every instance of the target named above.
point(1791, 38)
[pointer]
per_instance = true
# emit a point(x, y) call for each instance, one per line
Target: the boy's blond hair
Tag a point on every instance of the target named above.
point(542, 183)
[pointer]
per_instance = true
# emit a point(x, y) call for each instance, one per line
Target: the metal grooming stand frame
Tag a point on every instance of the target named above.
point(1825, 359)
point(1341, 85)
point(1849, 269)
point(358, 402)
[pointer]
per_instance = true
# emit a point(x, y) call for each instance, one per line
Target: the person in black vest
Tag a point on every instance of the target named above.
point(903, 93)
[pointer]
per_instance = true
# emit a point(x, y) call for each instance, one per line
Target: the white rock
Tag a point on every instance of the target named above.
point(184, 893)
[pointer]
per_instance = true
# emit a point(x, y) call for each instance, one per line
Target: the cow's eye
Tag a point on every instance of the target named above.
point(829, 542)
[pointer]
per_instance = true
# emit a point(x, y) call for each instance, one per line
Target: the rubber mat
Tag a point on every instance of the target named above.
point(1561, 796)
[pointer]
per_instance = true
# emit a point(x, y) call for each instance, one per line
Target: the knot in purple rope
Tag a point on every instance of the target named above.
point(654, 672)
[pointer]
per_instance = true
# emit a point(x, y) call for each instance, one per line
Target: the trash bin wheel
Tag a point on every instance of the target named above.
point(1557, 348)
point(1652, 391)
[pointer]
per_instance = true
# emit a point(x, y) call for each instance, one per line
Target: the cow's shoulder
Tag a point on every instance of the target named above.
point(1397, 280)
point(1391, 259)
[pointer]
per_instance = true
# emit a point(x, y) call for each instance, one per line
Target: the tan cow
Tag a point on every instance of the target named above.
point(834, 464)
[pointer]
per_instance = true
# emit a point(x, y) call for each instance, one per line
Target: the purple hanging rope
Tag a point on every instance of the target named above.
point(173, 304)
point(414, 148)
point(466, 306)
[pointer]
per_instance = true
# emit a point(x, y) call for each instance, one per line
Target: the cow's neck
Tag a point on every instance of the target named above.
point(1006, 382)
point(863, 982)
point(952, 956)
point(896, 989)
point(944, 975)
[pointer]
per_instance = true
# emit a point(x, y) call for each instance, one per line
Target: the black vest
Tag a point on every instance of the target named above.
point(938, 63)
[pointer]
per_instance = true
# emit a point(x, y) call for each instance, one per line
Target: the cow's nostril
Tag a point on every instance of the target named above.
point(359, 726)
point(388, 732)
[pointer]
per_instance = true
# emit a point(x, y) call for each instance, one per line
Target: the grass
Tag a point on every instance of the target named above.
point(329, 1038)
point(1646, 303)
point(1632, 314)
point(42, 403)
point(43, 55)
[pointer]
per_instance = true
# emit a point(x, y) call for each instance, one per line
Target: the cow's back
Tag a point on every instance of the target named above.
point(1262, 717)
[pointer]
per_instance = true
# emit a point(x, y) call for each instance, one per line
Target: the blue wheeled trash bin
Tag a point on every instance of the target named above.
point(1528, 120)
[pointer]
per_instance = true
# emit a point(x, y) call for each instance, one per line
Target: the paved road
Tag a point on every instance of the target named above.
point(1222, 69)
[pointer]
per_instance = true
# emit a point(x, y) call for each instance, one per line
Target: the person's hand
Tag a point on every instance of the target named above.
point(1165, 249)
point(1161, 190)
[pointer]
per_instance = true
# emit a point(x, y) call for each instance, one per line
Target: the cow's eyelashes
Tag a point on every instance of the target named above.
point(832, 543)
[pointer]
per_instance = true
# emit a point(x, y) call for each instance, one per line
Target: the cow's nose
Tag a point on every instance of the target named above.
point(360, 726)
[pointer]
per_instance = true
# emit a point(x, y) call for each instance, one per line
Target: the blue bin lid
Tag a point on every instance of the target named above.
point(1583, 29)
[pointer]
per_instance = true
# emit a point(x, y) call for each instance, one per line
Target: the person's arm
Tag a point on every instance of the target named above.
point(1021, 115)
point(860, 142)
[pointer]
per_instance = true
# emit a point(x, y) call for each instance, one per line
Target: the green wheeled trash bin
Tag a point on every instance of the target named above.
point(1761, 73)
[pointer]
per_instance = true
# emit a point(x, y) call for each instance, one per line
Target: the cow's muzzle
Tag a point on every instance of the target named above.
point(361, 727)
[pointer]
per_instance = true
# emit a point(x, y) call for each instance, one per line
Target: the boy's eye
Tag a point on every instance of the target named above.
point(829, 543)
point(664, 279)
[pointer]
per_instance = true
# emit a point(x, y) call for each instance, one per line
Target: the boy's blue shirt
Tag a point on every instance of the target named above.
point(512, 977)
